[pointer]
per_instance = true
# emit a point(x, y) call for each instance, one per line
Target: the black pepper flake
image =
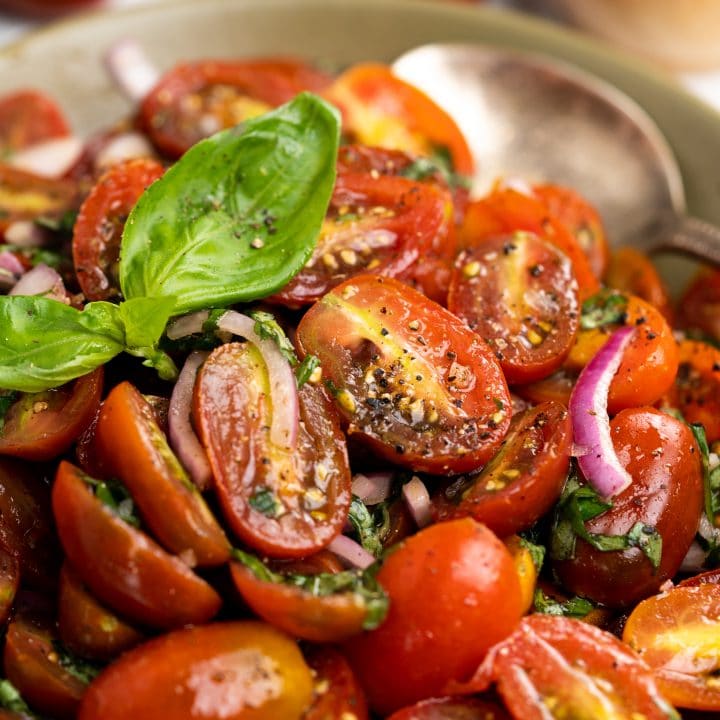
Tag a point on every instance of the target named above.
point(384, 331)
point(450, 355)
point(536, 270)
point(400, 449)
point(716, 367)
point(651, 335)
point(508, 248)
point(640, 320)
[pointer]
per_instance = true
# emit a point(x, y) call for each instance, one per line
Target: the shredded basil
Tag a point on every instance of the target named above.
point(305, 370)
point(537, 552)
point(79, 668)
point(365, 527)
point(575, 607)
point(264, 501)
point(604, 308)
point(267, 328)
point(10, 698)
point(114, 495)
point(711, 478)
point(63, 224)
point(439, 163)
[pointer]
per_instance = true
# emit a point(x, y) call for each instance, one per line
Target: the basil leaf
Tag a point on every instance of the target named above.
point(604, 308)
point(304, 371)
point(45, 343)
point(239, 214)
point(114, 495)
point(364, 525)
point(264, 501)
point(439, 163)
point(79, 668)
point(537, 552)
point(711, 478)
point(10, 698)
point(576, 607)
point(63, 224)
point(267, 328)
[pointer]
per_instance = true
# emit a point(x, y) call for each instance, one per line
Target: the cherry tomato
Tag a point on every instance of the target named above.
point(522, 482)
point(422, 646)
point(380, 109)
point(224, 671)
point(506, 210)
point(377, 224)
point(677, 633)
point(526, 569)
point(581, 218)
point(122, 567)
point(452, 708)
point(518, 292)
point(320, 562)
point(696, 392)
point(9, 583)
point(85, 626)
point(281, 503)
point(710, 576)
point(195, 100)
point(134, 449)
point(699, 307)
point(28, 117)
point(663, 460)
point(409, 378)
point(337, 694)
point(99, 225)
point(555, 667)
point(41, 426)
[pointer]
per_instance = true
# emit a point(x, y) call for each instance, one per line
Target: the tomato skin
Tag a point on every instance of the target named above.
point(41, 426)
point(380, 109)
point(28, 117)
point(523, 481)
point(573, 665)
point(452, 708)
point(526, 569)
point(221, 94)
point(232, 413)
point(699, 306)
point(134, 449)
point(422, 646)
point(662, 457)
point(98, 229)
point(381, 345)
point(223, 671)
point(122, 567)
point(518, 292)
point(676, 633)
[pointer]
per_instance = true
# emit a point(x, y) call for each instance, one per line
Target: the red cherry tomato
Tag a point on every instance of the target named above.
point(452, 708)
point(224, 671)
point(41, 426)
point(380, 109)
point(663, 459)
point(522, 482)
point(422, 646)
point(557, 667)
point(99, 225)
point(134, 449)
point(518, 292)
point(409, 378)
point(122, 567)
point(677, 633)
point(28, 117)
point(9, 583)
point(699, 307)
point(308, 490)
point(195, 100)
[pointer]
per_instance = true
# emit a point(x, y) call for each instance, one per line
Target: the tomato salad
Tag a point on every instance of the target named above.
point(294, 428)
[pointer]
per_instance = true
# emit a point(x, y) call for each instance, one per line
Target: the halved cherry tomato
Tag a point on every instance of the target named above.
point(41, 426)
point(9, 583)
point(518, 292)
point(555, 667)
point(452, 708)
point(380, 109)
point(28, 117)
point(377, 224)
point(699, 307)
point(195, 100)
point(677, 633)
point(32, 663)
point(122, 567)
point(522, 482)
point(307, 492)
point(581, 218)
point(422, 646)
point(526, 569)
point(100, 222)
point(224, 671)
point(85, 626)
point(666, 494)
point(337, 693)
point(709, 576)
point(506, 210)
point(134, 449)
point(696, 392)
point(320, 562)
point(634, 273)
point(409, 378)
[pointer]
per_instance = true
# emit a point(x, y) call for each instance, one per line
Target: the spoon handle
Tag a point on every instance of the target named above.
point(684, 234)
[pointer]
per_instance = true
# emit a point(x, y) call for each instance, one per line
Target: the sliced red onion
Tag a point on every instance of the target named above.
point(372, 488)
point(183, 439)
point(187, 325)
point(591, 426)
point(417, 499)
point(283, 388)
point(125, 146)
point(9, 262)
point(41, 280)
point(131, 69)
point(26, 234)
point(694, 559)
point(51, 159)
point(351, 552)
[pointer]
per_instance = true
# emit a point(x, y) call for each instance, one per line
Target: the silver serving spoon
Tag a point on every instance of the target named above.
point(533, 117)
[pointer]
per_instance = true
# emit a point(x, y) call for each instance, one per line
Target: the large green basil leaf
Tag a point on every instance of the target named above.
point(239, 214)
point(45, 343)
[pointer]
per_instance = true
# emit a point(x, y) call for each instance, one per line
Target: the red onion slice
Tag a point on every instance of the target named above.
point(51, 159)
point(183, 439)
point(131, 69)
point(26, 234)
point(351, 552)
point(283, 388)
point(417, 499)
point(41, 280)
point(187, 325)
point(372, 488)
point(590, 422)
point(125, 146)
point(9, 262)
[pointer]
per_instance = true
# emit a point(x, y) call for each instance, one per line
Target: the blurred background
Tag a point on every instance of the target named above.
point(679, 36)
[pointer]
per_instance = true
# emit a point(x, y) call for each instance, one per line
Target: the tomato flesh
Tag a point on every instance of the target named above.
point(28, 117)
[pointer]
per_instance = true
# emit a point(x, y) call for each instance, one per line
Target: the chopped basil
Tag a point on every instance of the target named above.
point(10, 698)
point(79, 668)
point(7, 400)
point(711, 478)
point(439, 163)
point(604, 308)
point(537, 552)
point(264, 501)
point(576, 607)
point(304, 371)
point(63, 224)
point(267, 328)
point(114, 495)
point(365, 528)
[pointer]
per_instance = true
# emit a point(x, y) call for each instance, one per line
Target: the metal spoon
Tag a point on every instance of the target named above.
point(533, 117)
